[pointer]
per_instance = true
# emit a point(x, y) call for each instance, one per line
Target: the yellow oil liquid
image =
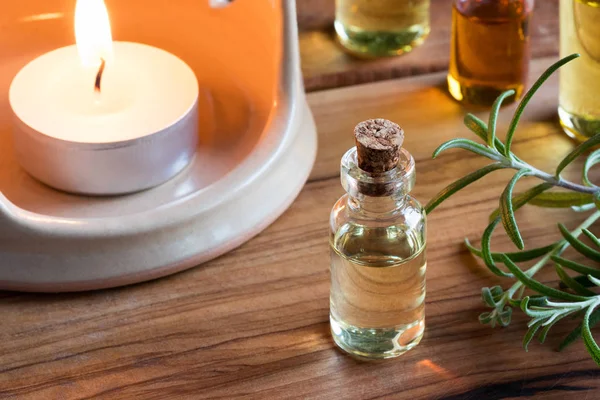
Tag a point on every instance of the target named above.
point(377, 290)
point(579, 102)
point(374, 28)
point(489, 50)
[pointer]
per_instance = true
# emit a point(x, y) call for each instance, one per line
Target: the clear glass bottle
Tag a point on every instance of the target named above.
point(489, 49)
point(375, 28)
point(378, 233)
point(579, 102)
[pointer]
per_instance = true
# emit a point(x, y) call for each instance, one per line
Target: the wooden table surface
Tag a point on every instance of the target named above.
point(325, 65)
point(254, 323)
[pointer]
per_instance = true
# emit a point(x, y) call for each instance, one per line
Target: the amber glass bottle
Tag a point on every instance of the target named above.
point(489, 49)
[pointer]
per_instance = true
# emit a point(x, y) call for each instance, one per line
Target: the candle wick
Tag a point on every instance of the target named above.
point(97, 85)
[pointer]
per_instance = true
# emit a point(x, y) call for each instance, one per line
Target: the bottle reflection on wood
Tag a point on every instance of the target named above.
point(373, 28)
point(489, 49)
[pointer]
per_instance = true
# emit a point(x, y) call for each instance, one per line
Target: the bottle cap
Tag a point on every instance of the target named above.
point(378, 145)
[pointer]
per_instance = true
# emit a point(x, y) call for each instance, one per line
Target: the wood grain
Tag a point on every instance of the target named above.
point(315, 14)
point(325, 65)
point(254, 323)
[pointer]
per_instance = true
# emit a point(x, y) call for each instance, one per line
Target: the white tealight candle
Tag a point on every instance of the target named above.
point(126, 122)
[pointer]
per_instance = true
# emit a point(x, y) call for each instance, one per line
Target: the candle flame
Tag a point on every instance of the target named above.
point(93, 33)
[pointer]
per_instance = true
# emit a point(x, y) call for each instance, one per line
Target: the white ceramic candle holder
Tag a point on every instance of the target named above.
point(257, 144)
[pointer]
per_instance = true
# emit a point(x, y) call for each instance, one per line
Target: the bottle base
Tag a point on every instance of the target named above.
point(369, 44)
point(378, 343)
point(478, 94)
point(578, 127)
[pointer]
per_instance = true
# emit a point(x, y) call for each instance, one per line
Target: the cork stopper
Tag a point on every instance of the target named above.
point(378, 145)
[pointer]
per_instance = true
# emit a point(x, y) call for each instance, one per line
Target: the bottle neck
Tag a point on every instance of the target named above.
point(377, 193)
point(491, 8)
point(376, 205)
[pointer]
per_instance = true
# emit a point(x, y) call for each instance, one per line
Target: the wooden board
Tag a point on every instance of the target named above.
point(315, 14)
point(254, 323)
point(325, 65)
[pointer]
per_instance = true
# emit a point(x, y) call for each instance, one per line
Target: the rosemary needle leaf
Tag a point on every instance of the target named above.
point(578, 244)
point(507, 213)
point(521, 199)
point(562, 199)
point(460, 184)
point(486, 252)
point(595, 281)
point(488, 298)
point(574, 266)
point(576, 333)
point(572, 283)
point(591, 160)
point(466, 144)
point(497, 292)
point(577, 151)
point(491, 136)
point(540, 287)
point(531, 333)
point(581, 279)
point(592, 237)
point(545, 330)
point(504, 316)
point(521, 107)
point(538, 301)
point(588, 339)
point(480, 128)
point(485, 318)
point(476, 126)
point(519, 256)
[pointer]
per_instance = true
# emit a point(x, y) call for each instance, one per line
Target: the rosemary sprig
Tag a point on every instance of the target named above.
point(549, 305)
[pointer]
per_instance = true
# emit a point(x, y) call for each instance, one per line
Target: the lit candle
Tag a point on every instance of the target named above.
point(101, 117)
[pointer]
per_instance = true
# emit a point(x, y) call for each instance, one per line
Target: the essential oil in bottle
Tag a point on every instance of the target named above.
point(489, 51)
point(375, 28)
point(378, 262)
point(579, 102)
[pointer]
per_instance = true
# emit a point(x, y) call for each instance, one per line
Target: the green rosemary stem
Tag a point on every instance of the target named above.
point(553, 179)
point(517, 164)
point(560, 247)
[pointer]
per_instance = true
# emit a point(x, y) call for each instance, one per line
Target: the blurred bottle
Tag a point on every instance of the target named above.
point(375, 28)
point(579, 103)
point(489, 49)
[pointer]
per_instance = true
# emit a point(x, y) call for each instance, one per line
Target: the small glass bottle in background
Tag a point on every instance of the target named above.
point(377, 28)
point(489, 51)
point(579, 98)
point(378, 233)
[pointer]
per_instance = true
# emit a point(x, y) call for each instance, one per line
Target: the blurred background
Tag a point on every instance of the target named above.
point(326, 65)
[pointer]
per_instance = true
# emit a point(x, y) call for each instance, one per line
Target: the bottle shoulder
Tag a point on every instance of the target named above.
point(411, 215)
point(396, 236)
